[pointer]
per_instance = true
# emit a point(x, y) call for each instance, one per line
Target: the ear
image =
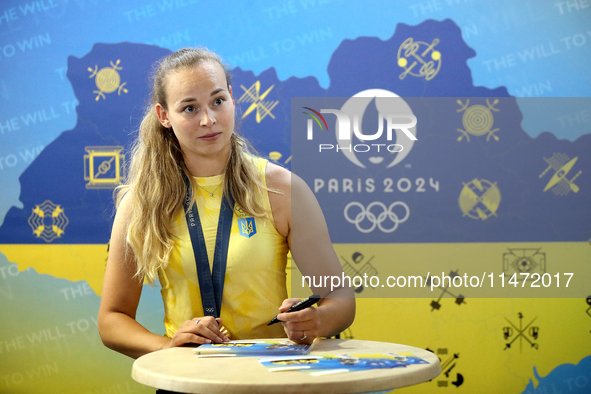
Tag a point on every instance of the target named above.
point(162, 115)
point(231, 95)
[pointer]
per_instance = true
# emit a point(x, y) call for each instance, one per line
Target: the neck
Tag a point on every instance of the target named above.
point(204, 166)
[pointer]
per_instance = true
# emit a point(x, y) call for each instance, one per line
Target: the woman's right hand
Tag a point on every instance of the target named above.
point(199, 330)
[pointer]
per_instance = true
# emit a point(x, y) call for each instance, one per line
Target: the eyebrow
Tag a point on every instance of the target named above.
point(213, 93)
point(216, 91)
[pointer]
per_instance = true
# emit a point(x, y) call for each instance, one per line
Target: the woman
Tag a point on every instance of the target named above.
point(235, 220)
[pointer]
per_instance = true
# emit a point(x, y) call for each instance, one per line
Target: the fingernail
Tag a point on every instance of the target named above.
point(208, 341)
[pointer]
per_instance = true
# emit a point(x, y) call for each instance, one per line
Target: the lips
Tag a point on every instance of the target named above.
point(210, 137)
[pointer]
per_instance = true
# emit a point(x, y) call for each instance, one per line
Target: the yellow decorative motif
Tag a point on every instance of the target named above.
point(478, 120)
point(252, 95)
point(415, 53)
point(559, 183)
point(40, 217)
point(524, 260)
point(479, 199)
point(103, 166)
point(360, 266)
point(276, 156)
point(107, 80)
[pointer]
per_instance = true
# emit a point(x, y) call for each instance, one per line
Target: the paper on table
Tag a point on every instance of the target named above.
point(253, 348)
point(320, 365)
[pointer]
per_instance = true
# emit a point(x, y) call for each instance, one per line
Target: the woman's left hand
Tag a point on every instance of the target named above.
point(302, 326)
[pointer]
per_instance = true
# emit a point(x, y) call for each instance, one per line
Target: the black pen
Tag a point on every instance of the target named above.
point(299, 306)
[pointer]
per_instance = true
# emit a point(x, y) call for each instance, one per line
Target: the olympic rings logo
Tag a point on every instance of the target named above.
point(387, 213)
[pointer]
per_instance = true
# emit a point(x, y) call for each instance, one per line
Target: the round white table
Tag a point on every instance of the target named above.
point(179, 369)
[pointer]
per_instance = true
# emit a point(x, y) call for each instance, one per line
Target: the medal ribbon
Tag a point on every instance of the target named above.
point(211, 284)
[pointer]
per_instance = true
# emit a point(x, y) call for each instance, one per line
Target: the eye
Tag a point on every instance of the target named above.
point(219, 101)
point(190, 108)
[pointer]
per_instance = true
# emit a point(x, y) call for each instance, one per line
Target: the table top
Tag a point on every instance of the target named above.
point(179, 369)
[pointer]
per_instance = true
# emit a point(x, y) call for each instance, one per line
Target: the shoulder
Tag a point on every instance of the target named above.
point(278, 178)
point(123, 212)
point(286, 187)
point(125, 203)
point(285, 181)
point(280, 183)
point(118, 246)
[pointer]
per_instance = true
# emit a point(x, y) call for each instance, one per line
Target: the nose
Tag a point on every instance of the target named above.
point(208, 119)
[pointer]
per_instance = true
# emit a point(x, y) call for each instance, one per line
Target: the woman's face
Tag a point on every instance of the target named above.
point(200, 110)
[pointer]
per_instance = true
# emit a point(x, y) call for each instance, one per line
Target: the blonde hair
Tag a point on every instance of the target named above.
point(155, 176)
